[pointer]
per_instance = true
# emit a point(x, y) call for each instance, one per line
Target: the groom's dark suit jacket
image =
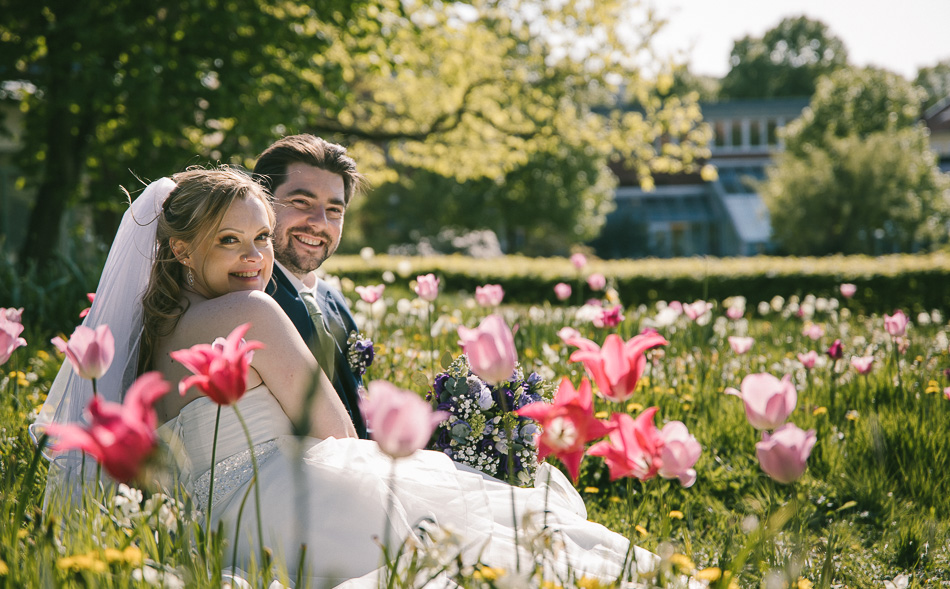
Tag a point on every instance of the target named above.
point(339, 322)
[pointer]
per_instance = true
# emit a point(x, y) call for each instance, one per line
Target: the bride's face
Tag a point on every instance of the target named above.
point(239, 256)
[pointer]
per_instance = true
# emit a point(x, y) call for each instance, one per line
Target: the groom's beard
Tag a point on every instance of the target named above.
point(299, 258)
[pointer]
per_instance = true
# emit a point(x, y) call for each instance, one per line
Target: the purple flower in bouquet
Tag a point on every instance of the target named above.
point(360, 352)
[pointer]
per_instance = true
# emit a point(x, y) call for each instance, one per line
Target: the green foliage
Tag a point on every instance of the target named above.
point(554, 200)
point(787, 61)
point(858, 175)
point(875, 194)
point(884, 283)
point(465, 90)
point(935, 80)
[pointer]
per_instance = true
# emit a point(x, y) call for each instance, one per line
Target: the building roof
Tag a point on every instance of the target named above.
point(749, 216)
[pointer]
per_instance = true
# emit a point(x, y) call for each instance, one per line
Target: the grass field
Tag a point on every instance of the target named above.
point(871, 510)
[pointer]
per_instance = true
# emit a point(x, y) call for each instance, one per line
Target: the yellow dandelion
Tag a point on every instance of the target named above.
point(852, 415)
point(688, 398)
point(682, 562)
point(4, 569)
point(113, 555)
point(133, 555)
point(488, 573)
point(615, 499)
point(687, 406)
point(634, 407)
point(550, 585)
point(820, 411)
point(804, 583)
point(591, 490)
point(932, 387)
point(643, 531)
point(671, 391)
point(82, 562)
point(676, 514)
point(601, 415)
point(529, 353)
point(22, 382)
point(919, 359)
point(42, 355)
point(709, 574)
point(22, 534)
point(589, 583)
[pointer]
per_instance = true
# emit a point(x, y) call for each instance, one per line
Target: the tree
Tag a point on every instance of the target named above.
point(935, 80)
point(467, 90)
point(787, 61)
point(858, 175)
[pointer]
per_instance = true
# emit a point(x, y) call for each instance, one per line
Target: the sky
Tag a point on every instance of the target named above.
point(899, 35)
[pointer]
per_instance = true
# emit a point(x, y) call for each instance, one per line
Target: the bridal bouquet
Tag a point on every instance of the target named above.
point(482, 427)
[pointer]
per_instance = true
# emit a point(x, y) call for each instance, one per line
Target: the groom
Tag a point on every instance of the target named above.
point(312, 182)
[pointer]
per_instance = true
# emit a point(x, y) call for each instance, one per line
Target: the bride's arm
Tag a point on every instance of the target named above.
point(285, 364)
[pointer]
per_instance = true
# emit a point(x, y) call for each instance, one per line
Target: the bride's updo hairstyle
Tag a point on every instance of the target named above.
point(192, 213)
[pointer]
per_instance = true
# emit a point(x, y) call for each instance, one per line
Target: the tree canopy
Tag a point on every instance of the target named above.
point(858, 174)
point(935, 80)
point(466, 90)
point(787, 61)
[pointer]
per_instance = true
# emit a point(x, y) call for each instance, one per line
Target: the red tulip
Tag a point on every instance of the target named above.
point(89, 350)
point(783, 454)
point(399, 420)
point(609, 317)
point(808, 359)
point(220, 369)
point(567, 424)
point(835, 350)
point(618, 366)
point(489, 295)
point(633, 448)
point(370, 294)
point(119, 437)
point(11, 314)
point(490, 349)
point(9, 337)
point(92, 298)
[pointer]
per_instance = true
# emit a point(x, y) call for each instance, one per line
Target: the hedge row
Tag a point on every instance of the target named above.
point(911, 282)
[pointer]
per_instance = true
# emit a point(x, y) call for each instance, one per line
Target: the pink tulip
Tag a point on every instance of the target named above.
point(696, 309)
point(835, 350)
point(489, 295)
point(735, 313)
point(676, 306)
point(783, 454)
point(862, 364)
point(89, 350)
point(848, 290)
point(567, 424)
point(946, 393)
point(11, 314)
point(400, 421)
point(562, 291)
point(633, 446)
point(596, 281)
point(680, 452)
point(896, 324)
point(609, 317)
point(219, 369)
point(617, 367)
point(808, 359)
point(740, 345)
point(579, 260)
point(490, 349)
point(568, 333)
point(427, 287)
point(768, 401)
point(9, 337)
point(119, 437)
point(92, 298)
point(813, 331)
point(370, 294)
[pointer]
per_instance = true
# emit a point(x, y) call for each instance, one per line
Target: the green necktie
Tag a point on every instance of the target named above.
point(326, 345)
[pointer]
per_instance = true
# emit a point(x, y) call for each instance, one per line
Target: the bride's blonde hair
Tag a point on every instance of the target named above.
point(192, 213)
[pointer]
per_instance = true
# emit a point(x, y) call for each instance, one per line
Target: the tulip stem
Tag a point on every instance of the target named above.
point(257, 493)
point(214, 450)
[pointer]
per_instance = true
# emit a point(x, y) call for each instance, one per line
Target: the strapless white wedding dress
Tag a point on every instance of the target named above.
point(339, 499)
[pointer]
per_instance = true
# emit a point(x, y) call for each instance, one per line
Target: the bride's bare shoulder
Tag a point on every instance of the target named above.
point(233, 309)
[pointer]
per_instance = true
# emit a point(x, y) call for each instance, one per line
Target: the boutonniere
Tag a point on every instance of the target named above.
point(360, 352)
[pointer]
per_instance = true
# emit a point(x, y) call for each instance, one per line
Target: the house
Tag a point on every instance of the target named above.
point(685, 216)
point(937, 119)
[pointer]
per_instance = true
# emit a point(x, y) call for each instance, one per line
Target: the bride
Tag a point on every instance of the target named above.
point(205, 236)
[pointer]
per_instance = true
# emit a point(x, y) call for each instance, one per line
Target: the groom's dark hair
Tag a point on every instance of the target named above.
point(271, 166)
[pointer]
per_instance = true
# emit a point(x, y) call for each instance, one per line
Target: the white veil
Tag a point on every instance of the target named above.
point(118, 304)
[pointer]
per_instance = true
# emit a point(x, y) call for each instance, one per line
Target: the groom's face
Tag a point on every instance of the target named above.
point(310, 206)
